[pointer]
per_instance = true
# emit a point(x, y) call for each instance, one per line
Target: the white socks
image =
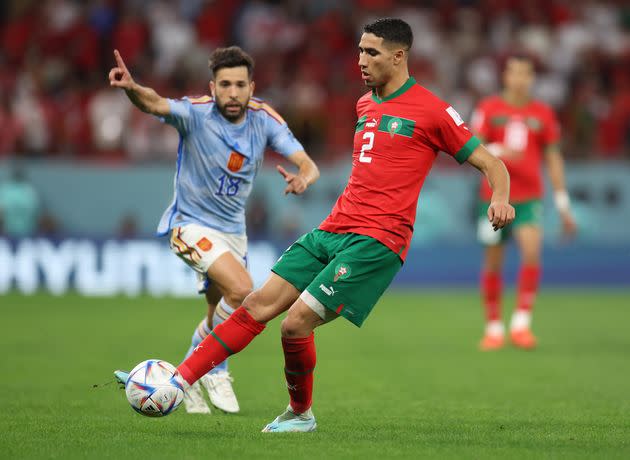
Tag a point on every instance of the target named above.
point(521, 319)
point(495, 328)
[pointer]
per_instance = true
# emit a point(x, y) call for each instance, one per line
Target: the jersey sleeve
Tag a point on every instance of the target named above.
point(551, 130)
point(279, 136)
point(451, 135)
point(479, 122)
point(182, 114)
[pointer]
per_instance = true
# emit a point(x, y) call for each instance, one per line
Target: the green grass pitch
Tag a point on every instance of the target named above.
point(409, 384)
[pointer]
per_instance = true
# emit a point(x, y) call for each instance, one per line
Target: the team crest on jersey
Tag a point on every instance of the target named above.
point(235, 162)
point(393, 126)
point(342, 271)
point(533, 123)
point(396, 126)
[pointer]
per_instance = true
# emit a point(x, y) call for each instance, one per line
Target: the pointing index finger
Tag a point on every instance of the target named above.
point(119, 60)
point(282, 171)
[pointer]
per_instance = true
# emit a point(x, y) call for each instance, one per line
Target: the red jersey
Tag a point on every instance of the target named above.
point(396, 141)
point(530, 129)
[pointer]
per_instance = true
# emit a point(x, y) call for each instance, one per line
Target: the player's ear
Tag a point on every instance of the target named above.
point(211, 86)
point(399, 56)
point(252, 85)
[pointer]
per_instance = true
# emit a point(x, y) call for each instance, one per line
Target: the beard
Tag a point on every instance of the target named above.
point(232, 116)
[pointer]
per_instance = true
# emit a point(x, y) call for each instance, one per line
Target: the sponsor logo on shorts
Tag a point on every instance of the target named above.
point(329, 291)
point(342, 271)
point(204, 244)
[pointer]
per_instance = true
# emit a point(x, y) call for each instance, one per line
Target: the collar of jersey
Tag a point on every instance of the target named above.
point(408, 84)
point(226, 136)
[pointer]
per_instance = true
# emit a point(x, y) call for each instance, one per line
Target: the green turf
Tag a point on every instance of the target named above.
point(410, 384)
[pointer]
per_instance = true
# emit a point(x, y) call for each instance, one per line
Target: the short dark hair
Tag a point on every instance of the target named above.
point(232, 56)
point(391, 30)
point(522, 57)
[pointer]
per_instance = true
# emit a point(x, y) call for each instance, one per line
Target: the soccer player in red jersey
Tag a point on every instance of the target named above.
point(524, 133)
point(344, 266)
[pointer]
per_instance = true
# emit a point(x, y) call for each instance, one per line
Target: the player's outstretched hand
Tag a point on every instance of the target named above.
point(500, 214)
point(119, 76)
point(569, 227)
point(296, 184)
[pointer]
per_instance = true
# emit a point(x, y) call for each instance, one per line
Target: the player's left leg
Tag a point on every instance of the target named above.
point(529, 240)
point(298, 345)
point(220, 262)
point(229, 275)
point(360, 269)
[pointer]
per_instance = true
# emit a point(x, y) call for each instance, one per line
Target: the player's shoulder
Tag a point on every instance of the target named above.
point(491, 102)
point(263, 110)
point(426, 98)
point(199, 103)
point(542, 107)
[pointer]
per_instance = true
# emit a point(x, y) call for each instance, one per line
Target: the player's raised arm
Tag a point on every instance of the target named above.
point(146, 99)
point(500, 212)
point(308, 173)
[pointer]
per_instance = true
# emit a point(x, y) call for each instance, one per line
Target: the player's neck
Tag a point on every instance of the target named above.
point(515, 98)
point(392, 85)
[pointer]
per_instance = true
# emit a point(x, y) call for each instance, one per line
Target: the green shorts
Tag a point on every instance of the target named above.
point(527, 213)
point(345, 272)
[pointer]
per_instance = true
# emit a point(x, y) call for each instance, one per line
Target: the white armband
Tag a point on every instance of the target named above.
point(562, 201)
point(495, 149)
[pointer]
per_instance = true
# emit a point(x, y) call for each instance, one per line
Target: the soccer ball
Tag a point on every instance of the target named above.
point(154, 388)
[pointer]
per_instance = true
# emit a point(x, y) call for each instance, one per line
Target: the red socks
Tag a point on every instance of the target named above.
point(226, 339)
point(528, 279)
point(299, 359)
point(491, 286)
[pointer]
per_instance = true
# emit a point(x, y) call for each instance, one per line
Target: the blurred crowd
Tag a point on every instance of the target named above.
point(55, 56)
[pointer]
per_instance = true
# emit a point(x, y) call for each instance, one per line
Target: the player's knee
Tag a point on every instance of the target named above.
point(530, 259)
point(255, 306)
point(236, 295)
point(295, 325)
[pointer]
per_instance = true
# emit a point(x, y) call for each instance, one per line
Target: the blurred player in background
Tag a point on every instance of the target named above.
point(524, 133)
point(343, 267)
point(223, 138)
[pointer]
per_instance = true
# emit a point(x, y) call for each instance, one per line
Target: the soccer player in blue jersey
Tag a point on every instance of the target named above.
point(223, 138)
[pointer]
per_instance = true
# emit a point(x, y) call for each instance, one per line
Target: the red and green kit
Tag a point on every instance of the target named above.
point(396, 141)
point(347, 264)
point(529, 130)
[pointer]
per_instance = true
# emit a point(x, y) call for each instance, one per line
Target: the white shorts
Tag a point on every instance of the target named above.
point(200, 247)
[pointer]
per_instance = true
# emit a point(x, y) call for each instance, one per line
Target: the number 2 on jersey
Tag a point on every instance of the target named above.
point(368, 136)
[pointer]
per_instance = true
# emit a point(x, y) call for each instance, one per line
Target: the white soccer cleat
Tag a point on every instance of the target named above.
point(194, 401)
point(220, 391)
point(290, 422)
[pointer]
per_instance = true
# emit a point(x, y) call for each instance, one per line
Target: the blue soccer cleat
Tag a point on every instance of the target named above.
point(290, 422)
point(121, 377)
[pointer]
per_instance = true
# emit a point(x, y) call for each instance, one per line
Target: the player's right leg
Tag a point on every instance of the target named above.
point(491, 280)
point(234, 334)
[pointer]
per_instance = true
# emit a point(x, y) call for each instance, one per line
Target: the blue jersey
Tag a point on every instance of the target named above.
point(217, 161)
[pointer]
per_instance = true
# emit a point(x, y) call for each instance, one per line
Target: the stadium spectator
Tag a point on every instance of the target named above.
point(51, 102)
point(19, 205)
